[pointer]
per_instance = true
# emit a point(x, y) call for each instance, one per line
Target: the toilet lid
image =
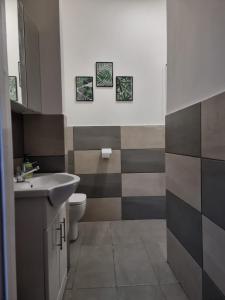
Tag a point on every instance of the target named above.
point(77, 199)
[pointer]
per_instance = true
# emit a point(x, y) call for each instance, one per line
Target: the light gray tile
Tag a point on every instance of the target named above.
point(96, 233)
point(103, 209)
point(140, 292)
point(183, 178)
point(133, 266)
point(95, 268)
point(91, 162)
point(213, 126)
point(213, 252)
point(68, 139)
point(95, 294)
point(173, 292)
point(185, 268)
point(152, 231)
point(142, 137)
point(125, 233)
point(164, 273)
point(143, 184)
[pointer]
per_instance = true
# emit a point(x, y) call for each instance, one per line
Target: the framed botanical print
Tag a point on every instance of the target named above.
point(13, 94)
point(104, 74)
point(84, 88)
point(124, 88)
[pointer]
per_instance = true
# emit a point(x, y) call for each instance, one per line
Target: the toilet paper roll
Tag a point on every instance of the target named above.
point(106, 152)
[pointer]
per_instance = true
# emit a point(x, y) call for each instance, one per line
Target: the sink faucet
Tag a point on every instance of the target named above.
point(20, 175)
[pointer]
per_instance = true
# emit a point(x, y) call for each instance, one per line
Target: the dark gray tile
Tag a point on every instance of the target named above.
point(213, 190)
point(95, 294)
point(44, 135)
point(95, 268)
point(185, 268)
point(49, 164)
point(213, 252)
point(213, 126)
point(140, 292)
point(100, 185)
point(133, 266)
point(70, 161)
point(18, 135)
point(173, 292)
point(210, 290)
point(134, 208)
point(183, 131)
point(97, 137)
point(143, 161)
point(185, 223)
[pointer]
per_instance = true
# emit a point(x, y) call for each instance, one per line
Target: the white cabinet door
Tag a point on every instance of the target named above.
point(53, 260)
point(63, 251)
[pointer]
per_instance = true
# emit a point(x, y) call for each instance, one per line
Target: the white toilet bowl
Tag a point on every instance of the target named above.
point(77, 206)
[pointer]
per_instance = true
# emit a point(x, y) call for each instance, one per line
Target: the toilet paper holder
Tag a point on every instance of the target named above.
point(106, 153)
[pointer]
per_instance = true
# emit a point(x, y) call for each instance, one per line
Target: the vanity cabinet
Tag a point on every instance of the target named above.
point(41, 249)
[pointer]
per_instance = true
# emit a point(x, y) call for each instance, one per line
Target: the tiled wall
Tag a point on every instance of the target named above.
point(131, 184)
point(195, 166)
point(41, 138)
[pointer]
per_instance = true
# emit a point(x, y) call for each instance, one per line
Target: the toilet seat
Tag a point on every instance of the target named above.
point(77, 199)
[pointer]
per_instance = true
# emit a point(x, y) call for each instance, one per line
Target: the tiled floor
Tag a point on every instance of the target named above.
point(122, 260)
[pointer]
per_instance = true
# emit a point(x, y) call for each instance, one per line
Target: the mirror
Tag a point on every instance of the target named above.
point(23, 57)
point(12, 34)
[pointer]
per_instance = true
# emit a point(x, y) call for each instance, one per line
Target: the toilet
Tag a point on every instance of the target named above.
point(77, 207)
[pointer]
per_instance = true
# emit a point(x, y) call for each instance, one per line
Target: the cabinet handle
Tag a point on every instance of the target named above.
point(61, 236)
point(64, 229)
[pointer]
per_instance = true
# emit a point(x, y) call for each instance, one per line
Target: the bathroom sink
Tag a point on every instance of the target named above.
point(57, 188)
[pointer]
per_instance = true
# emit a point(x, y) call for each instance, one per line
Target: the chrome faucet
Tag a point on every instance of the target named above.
point(20, 175)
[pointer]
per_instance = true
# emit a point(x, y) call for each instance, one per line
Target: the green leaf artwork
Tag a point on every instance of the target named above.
point(104, 74)
point(124, 88)
point(13, 95)
point(84, 88)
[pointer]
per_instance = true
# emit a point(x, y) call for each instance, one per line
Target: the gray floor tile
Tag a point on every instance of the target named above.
point(95, 268)
point(163, 273)
point(140, 292)
point(67, 295)
point(95, 294)
point(96, 233)
point(125, 232)
point(173, 292)
point(70, 278)
point(156, 251)
point(133, 266)
point(152, 231)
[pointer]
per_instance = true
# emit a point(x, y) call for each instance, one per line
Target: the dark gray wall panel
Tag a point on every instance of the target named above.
point(100, 185)
point(49, 164)
point(213, 190)
point(210, 290)
point(183, 130)
point(18, 136)
point(134, 208)
point(143, 161)
point(185, 223)
point(97, 137)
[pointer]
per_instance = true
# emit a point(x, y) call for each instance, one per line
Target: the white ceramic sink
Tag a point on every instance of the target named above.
point(57, 188)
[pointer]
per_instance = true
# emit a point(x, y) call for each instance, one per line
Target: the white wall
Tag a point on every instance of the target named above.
point(196, 51)
point(13, 41)
point(132, 34)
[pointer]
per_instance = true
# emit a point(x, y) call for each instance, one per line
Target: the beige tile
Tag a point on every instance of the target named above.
point(103, 209)
point(213, 127)
point(185, 268)
point(68, 139)
point(143, 184)
point(183, 178)
point(213, 252)
point(142, 137)
point(91, 162)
